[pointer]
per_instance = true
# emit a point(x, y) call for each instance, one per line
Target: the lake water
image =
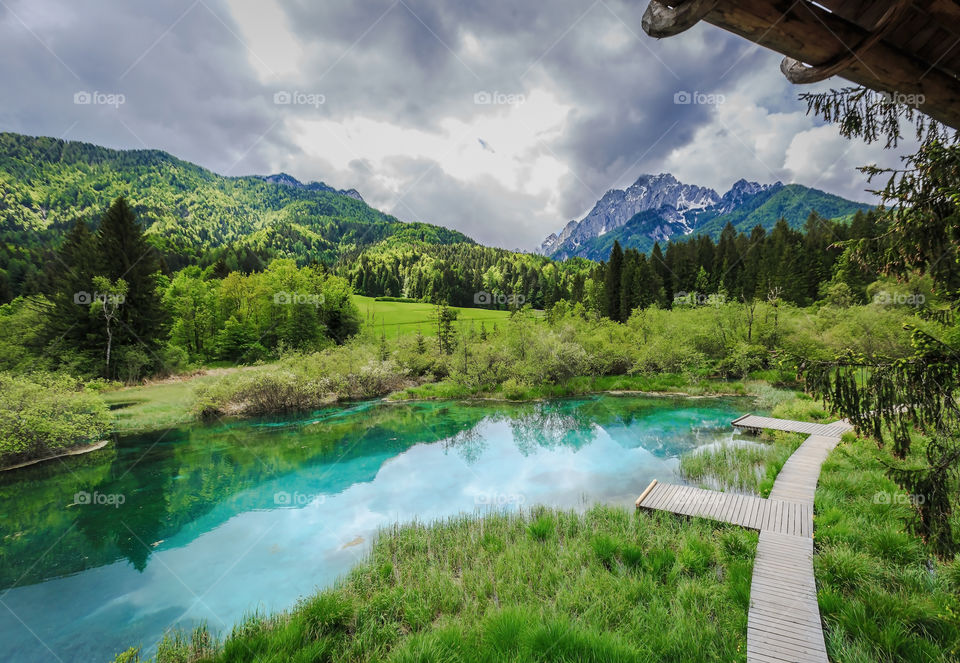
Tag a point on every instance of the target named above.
point(207, 523)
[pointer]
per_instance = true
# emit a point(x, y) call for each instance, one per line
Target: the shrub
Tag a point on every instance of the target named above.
point(300, 382)
point(46, 413)
point(742, 359)
point(605, 548)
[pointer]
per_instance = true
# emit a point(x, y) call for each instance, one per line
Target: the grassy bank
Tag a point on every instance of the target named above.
point(607, 585)
point(153, 406)
point(673, 383)
point(883, 595)
point(297, 384)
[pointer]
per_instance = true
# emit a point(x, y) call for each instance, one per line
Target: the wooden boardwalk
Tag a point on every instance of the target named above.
point(775, 515)
point(783, 624)
point(756, 423)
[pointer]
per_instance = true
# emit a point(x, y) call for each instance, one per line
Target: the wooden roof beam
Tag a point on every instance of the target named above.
point(807, 33)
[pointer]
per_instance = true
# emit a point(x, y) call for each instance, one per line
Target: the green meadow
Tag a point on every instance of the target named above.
point(403, 318)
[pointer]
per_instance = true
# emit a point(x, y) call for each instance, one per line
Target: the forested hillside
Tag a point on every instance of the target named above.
point(192, 215)
point(798, 266)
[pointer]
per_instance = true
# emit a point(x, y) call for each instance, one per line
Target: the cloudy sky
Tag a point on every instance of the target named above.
point(501, 119)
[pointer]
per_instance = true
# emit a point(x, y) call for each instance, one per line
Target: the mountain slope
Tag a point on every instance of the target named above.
point(745, 205)
point(617, 206)
point(46, 184)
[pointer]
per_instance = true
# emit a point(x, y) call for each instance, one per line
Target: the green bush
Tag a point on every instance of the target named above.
point(46, 413)
point(541, 528)
point(300, 382)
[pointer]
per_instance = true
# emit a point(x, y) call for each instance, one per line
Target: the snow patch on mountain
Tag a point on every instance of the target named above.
point(675, 203)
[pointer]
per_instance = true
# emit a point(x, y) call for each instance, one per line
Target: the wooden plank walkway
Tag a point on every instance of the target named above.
point(784, 619)
point(776, 515)
point(783, 624)
point(755, 422)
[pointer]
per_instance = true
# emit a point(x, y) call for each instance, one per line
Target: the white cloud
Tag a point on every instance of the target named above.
point(762, 132)
point(399, 122)
point(272, 48)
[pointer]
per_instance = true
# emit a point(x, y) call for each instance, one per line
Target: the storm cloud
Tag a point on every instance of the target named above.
point(501, 119)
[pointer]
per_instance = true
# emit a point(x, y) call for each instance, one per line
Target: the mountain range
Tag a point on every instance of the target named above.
point(658, 208)
point(46, 184)
point(195, 216)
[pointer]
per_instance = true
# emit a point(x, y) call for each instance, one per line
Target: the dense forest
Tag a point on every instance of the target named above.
point(191, 215)
point(112, 307)
point(111, 310)
point(798, 266)
point(455, 273)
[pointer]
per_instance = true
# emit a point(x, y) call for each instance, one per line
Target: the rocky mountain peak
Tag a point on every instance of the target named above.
point(740, 190)
point(617, 206)
point(284, 179)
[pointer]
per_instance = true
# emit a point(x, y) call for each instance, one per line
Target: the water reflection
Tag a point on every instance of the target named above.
point(215, 519)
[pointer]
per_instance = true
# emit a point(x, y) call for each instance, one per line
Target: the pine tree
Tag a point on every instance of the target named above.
point(70, 325)
point(124, 253)
point(612, 281)
point(702, 285)
point(659, 266)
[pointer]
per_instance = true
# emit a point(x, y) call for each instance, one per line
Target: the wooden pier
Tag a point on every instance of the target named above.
point(783, 624)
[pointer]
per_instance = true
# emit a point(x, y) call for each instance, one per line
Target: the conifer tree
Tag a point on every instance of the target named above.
point(70, 325)
point(612, 282)
point(124, 253)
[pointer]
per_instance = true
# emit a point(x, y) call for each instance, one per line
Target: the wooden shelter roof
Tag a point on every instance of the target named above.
point(907, 48)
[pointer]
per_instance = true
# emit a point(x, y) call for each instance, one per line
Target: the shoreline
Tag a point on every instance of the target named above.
point(78, 451)
point(609, 392)
point(390, 398)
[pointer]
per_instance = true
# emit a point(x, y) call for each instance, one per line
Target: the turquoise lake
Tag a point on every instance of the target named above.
point(208, 523)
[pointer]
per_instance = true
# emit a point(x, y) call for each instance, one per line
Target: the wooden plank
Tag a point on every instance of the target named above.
point(746, 519)
point(751, 512)
point(735, 505)
point(697, 507)
point(757, 512)
point(729, 507)
point(655, 500)
point(676, 500)
point(646, 492)
point(711, 508)
point(667, 499)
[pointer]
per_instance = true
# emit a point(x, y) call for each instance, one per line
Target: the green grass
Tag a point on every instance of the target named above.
point(153, 406)
point(804, 408)
point(607, 585)
point(397, 319)
point(741, 466)
point(882, 594)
